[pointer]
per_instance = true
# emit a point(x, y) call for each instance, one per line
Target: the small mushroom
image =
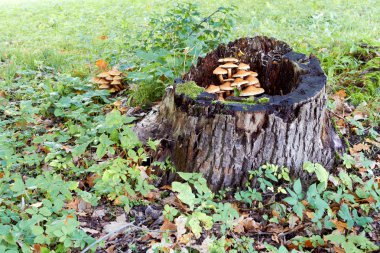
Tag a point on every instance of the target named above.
point(220, 72)
point(252, 80)
point(239, 82)
point(229, 66)
point(251, 91)
point(117, 78)
point(228, 59)
point(104, 86)
point(115, 82)
point(253, 73)
point(241, 73)
point(114, 72)
point(229, 80)
point(226, 87)
point(103, 74)
point(212, 88)
point(220, 95)
point(243, 66)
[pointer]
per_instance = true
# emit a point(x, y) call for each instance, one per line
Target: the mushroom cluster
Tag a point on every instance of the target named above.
point(111, 80)
point(239, 77)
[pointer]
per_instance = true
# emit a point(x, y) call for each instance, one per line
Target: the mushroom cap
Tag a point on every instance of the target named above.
point(226, 86)
point(212, 89)
point(251, 91)
point(229, 65)
point(252, 80)
point(219, 71)
point(102, 81)
point(253, 73)
point(109, 78)
point(228, 59)
point(117, 78)
point(103, 74)
point(115, 82)
point(241, 73)
point(239, 82)
point(243, 66)
point(104, 86)
point(229, 80)
point(114, 72)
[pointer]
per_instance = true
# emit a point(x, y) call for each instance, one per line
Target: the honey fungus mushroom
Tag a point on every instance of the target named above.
point(251, 91)
point(229, 66)
point(220, 72)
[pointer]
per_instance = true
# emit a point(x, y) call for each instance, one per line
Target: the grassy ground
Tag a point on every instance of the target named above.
point(70, 164)
point(65, 34)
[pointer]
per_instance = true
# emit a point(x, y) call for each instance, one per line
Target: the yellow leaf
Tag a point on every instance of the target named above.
point(101, 64)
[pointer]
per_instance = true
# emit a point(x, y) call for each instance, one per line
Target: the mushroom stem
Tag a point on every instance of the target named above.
point(229, 73)
point(221, 78)
point(220, 96)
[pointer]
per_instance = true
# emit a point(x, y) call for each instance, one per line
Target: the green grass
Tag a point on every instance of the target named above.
point(65, 34)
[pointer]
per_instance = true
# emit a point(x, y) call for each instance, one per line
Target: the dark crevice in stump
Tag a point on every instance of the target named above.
point(225, 141)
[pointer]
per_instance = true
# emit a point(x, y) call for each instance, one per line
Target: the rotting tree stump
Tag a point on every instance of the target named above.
point(223, 141)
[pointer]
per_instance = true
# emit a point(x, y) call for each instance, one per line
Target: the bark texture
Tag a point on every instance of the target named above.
point(223, 141)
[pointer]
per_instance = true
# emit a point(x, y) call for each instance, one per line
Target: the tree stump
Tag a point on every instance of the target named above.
point(223, 141)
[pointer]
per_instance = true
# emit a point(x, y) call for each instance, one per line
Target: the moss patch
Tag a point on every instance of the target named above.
point(190, 89)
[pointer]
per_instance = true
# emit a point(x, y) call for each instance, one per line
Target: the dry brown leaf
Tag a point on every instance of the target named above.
point(115, 225)
point(168, 225)
point(73, 204)
point(111, 249)
point(36, 248)
point(341, 94)
point(340, 225)
point(103, 37)
point(101, 64)
point(90, 231)
point(186, 238)
point(90, 180)
point(310, 215)
point(375, 143)
point(293, 219)
point(2, 94)
point(359, 147)
point(339, 249)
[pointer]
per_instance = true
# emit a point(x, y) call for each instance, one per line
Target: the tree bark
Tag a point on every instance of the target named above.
point(223, 141)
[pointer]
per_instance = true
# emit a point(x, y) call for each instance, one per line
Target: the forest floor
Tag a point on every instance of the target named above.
point(72, 171)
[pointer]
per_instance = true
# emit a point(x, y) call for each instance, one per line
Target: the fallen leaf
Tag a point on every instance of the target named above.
point(186, 238)
point(111, 249)
point(99, 213)
point(180, 223)
point(310, 215)
point(90, 231)
point(341, 94)
point(101, 64)
point(359, 147)
point(339, 249)
point(168, 225)
point(103, 37)
point(90, 180)
point(36, 248)
point(115, 225)
point(73, 204)
point(2, 94)
point(293, 219)
point(340, 225)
